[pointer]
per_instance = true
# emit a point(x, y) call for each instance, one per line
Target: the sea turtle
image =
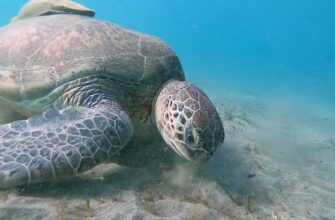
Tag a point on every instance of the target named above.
point(48, 7)
point(76, 91)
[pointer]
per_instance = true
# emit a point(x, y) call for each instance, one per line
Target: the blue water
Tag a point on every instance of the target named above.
point(282, 47)
point(281, 52)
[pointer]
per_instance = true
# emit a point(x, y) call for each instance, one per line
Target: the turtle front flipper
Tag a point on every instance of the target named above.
point(61, 143)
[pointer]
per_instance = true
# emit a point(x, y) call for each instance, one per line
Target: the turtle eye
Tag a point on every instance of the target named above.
point(190, 139)
point(191, 136)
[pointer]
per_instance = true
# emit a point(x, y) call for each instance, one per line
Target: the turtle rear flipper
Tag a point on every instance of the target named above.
point(64, 143)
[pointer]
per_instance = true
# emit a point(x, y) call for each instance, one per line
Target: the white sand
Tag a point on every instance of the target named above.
point(277, 163)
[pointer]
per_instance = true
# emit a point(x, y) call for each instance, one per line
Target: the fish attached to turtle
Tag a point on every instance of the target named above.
point(36, 8)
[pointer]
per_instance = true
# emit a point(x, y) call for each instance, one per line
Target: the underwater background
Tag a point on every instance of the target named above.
point(266, 47)
point(269, 66)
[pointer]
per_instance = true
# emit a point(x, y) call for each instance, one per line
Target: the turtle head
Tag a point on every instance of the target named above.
point(188, 121)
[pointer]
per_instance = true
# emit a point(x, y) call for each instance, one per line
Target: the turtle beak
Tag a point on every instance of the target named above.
point(185, 152)
point(73, 8)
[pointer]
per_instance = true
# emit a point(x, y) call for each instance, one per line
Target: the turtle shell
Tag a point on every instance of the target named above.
point(40, 54)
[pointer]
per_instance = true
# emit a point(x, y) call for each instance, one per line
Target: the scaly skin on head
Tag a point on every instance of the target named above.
point(188, 121)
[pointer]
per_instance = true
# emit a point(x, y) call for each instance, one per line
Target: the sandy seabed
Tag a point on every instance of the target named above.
point(277, 162)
